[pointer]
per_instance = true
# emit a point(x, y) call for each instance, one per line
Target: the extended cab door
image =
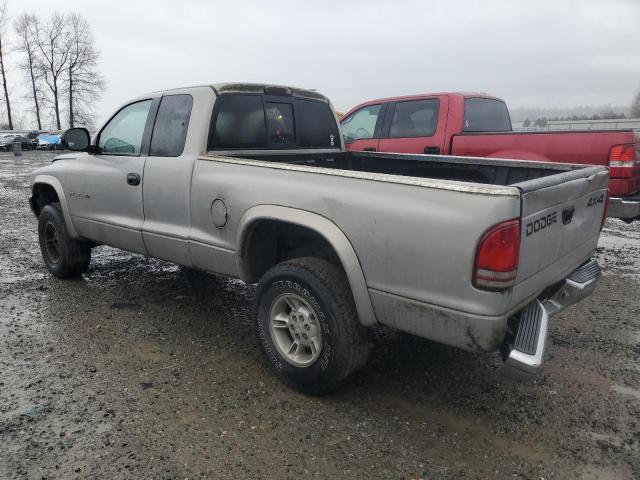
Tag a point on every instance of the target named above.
point(415, 126)
point(167, 182)
point(104, 190)
point(361, 129)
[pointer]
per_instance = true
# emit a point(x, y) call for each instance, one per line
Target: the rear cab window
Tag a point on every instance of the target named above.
point(256, 121)
point(485, 115)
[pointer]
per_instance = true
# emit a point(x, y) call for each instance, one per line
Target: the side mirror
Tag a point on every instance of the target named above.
point(77, 139)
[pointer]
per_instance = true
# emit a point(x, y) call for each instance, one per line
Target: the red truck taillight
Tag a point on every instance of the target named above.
point(496, 263)
point(622, 160)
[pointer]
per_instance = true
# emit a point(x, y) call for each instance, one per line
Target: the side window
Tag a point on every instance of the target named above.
point(170, 129)
point(279, 123)
point(317, 127)
point(123, 134)
point(361, 124)
point(238, 123)
point(416, 118)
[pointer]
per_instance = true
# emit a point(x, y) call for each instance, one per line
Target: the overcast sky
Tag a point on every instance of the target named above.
point(560, 53)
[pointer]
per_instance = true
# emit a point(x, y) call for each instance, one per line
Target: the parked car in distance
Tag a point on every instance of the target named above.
point(7, 141)
point(51, 141)
point(477, 125)
point(35, 135)
point(252, 181)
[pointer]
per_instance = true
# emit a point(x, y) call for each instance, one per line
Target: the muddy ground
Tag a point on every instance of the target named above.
point(140, 371)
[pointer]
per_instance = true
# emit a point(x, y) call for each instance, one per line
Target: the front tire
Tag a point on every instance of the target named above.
point(64, 256)
point(308, 327)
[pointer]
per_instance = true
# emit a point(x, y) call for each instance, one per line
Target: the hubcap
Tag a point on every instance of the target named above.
point(52, 242)
point(295, 330)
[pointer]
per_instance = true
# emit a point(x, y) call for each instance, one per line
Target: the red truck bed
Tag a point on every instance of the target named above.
point(588, 147)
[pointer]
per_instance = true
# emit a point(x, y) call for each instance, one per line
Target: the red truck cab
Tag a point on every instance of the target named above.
point(472, 124)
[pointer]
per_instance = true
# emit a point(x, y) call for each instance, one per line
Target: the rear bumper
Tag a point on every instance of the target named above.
point(625, 208)
point(523, 350)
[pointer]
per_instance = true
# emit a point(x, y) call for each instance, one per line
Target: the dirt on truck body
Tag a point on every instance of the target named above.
point(143, 370)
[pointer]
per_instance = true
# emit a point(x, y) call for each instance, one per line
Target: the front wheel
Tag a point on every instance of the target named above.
point(64, 256)
point(308, 327)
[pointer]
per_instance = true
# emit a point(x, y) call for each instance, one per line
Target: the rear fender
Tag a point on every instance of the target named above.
point(330, 232)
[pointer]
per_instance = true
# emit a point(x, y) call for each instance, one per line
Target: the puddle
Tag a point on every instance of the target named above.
point(619, 248)
point(632, 392)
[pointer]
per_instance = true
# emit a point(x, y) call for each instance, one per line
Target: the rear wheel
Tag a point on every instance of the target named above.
point(308, 327)
point(64, 256)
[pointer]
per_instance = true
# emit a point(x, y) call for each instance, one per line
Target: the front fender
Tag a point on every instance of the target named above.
point(54, 183)
point(331, 233)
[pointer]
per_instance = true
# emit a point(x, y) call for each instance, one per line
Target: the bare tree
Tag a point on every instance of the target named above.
point(84, 82)
point(4, 19)
point(26, 28)
point(52, 42)
point(635, 106)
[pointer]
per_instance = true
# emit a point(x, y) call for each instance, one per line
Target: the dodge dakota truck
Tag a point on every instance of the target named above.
point(252, 181)
point(476, 125)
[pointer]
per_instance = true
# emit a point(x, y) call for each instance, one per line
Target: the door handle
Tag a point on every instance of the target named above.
point(432, 150)
point(133, 179)
point(369, 149)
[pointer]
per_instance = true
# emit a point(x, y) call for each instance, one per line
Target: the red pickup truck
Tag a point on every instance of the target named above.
point(471, 124)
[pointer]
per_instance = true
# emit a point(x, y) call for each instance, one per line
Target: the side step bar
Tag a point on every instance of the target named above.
point(523, 354)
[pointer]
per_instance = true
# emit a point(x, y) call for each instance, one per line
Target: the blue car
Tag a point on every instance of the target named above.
point(50, 142)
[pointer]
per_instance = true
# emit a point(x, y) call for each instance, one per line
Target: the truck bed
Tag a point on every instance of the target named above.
point(437, 167)
point(414, 222)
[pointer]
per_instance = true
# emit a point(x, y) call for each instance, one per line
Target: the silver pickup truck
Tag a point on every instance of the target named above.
point(252, 181)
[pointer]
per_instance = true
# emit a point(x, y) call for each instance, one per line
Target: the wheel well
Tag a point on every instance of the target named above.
point(269, 242)
point(42, 195)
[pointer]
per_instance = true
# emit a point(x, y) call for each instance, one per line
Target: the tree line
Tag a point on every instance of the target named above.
point(58, 60)
point(608, 115)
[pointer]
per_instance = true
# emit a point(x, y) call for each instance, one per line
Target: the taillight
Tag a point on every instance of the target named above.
point(496, 263)
point(622, 160)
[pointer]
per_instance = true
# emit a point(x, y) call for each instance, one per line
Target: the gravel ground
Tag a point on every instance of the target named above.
point(140, 370)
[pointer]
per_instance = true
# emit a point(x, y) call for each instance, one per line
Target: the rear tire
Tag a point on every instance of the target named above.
point(308, 327)
point(64, 256)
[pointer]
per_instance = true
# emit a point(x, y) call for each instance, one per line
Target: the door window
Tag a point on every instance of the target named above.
point(361, 124)
point(123, 134)
point(170, 129)
point(416, 118)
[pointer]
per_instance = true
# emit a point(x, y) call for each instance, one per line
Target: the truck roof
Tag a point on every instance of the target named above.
point(245, 87)
point(424, 95)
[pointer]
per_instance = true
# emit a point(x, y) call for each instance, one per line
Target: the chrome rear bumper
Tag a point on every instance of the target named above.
point(625, 208)
point(523, 350)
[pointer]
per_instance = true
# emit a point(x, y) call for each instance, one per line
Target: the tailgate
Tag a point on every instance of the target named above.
point(561, 217)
